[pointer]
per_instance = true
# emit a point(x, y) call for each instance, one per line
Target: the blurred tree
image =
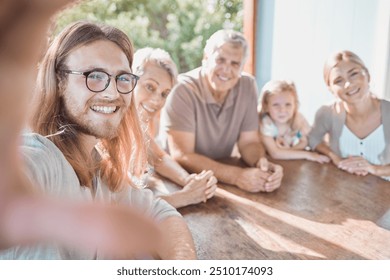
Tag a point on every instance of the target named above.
point(181, 27)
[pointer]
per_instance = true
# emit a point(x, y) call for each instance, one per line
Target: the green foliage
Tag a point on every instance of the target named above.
point(179, 26)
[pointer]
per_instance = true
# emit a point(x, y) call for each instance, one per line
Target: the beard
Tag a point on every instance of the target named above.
point(77, 120)
point(102, 131)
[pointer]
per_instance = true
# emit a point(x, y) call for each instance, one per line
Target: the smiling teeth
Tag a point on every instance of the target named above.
point(353, 92)
point(104, 109)
point(223, 78)
point(150, 110)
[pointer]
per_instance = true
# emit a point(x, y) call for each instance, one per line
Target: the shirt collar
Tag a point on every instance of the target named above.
point(209, 99)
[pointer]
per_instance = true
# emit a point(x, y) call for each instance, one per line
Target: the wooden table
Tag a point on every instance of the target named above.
point(319, 212)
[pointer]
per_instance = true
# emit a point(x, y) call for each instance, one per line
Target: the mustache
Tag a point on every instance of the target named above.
point(106, 102)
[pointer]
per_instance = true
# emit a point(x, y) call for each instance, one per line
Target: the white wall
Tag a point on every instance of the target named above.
point(305, 32)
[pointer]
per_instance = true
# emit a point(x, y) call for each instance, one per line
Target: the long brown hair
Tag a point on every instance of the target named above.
point(121, 154)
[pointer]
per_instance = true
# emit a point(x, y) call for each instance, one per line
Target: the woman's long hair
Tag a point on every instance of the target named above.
point(123, 153)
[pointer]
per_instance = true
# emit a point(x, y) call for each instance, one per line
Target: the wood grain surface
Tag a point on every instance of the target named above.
point(319, 212)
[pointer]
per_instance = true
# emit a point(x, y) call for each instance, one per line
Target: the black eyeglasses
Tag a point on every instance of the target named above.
point(98, 81)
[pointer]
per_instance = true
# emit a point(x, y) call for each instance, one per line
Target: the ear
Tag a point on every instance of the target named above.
point(333, 94)
point(204, 59)
point(365, 73)
point(61, 84)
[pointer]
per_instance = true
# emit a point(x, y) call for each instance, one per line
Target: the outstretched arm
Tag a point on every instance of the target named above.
point(116, 231)
point(176, 240)
point(23, 27)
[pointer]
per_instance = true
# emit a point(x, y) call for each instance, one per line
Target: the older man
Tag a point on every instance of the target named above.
point(213, 108)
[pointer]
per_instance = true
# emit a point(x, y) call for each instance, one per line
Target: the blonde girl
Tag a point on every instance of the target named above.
point(283, 129)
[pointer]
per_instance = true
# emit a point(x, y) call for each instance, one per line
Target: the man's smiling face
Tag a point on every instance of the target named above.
point(223, 68)
point(96, 114)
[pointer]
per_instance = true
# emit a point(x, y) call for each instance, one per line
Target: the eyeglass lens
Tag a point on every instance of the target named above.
point(99, 81)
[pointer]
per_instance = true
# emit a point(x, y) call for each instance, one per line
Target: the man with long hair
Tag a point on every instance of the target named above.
point(86, 139)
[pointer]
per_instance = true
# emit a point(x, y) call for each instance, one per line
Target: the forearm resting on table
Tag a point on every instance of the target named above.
point(303, 142)
point(177, 199)
point(251, 153)
point(169, 168)
point(286, 154)
point(382, 170)
point(197, 163)
point(323, 148)
point(176, 241)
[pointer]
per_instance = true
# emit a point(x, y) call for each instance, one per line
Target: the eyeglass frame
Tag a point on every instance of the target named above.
point(87, 73)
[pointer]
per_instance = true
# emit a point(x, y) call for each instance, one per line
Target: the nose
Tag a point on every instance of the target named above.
point(226, 68)
point(157, 99)
point(282, 109)
point(111, 92)
point(347, 84)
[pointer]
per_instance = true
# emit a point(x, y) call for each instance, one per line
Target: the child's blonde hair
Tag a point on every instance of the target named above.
point(275, 87)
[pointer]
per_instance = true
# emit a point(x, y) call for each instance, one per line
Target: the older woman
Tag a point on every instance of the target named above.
point(158, 75)
point(358, 123)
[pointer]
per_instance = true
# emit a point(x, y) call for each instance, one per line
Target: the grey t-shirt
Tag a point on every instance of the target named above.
point(47, 167)
point(191, 108)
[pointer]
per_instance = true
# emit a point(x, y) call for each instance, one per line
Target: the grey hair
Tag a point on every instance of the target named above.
point(157, 56)
point(224, 36)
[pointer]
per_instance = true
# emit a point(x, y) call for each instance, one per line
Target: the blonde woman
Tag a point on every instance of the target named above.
point(283, 129)
point(358, 124)
point(158, 74)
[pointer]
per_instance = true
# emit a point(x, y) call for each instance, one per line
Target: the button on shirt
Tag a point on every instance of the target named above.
point(371, 148)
